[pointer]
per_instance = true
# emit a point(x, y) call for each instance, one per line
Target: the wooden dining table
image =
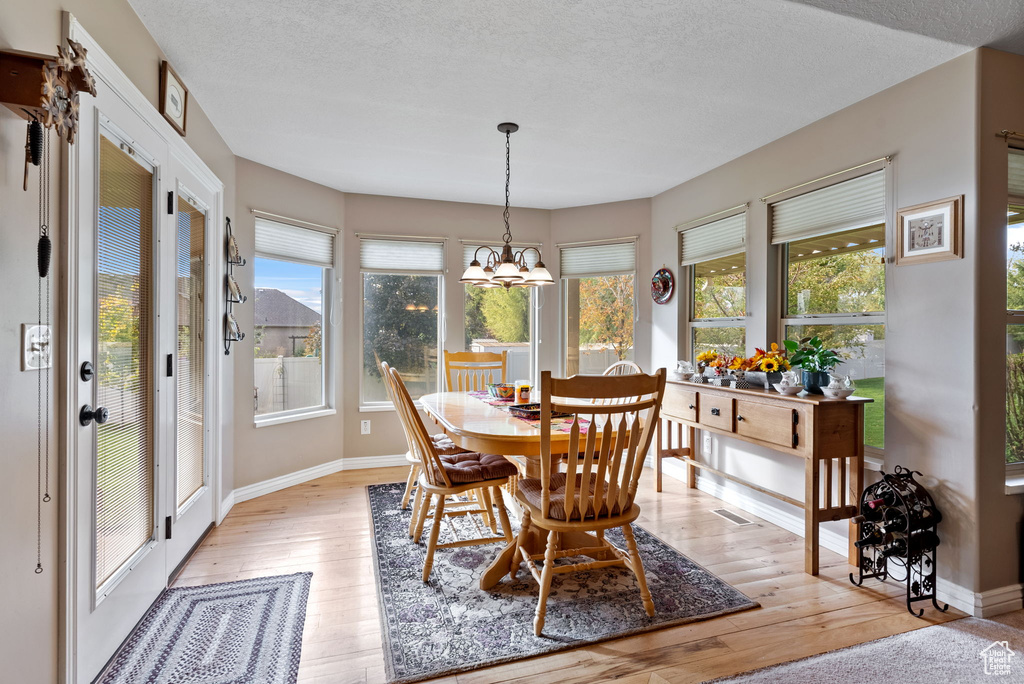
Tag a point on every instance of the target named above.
point(475, 425)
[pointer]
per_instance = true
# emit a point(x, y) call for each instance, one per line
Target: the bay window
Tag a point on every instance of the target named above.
point(714, 262)
point(832, 242)
point(598, 305)
point(292, 274)
point(402, 310)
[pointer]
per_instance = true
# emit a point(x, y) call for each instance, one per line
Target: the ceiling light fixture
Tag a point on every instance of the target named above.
point(509, 268)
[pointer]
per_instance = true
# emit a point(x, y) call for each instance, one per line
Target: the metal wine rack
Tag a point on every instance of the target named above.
point(897, 536)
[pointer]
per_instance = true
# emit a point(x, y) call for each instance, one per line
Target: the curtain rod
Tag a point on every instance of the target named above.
point(494, 243)
point(294, 221)
point(1006, 135)
point(887, 159)
point(702, 219)
point(609, 241)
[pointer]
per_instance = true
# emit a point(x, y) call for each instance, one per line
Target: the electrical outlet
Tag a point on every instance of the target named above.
point(707, 444)
point(364, 427)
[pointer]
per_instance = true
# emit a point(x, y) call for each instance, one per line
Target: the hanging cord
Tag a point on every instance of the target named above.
point(43, 230)
point(49, 346)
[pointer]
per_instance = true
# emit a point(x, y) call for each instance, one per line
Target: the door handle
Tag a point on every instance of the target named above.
point(716, 412)
point(88, 415)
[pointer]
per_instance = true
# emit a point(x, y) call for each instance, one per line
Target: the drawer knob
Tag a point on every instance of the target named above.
point(739, 417)
point(716, 412)
point(692, 407)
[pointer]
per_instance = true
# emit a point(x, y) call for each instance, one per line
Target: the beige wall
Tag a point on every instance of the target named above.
point(28, 632)
point(1002, 108)
point(932, 422)
point(267, 452)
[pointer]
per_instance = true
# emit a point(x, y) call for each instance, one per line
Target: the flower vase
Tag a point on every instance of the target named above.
point(815, 380)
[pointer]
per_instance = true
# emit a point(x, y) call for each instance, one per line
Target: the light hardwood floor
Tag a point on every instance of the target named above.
point(323, 526)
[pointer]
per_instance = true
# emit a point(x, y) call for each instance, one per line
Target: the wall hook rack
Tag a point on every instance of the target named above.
point(232, 291)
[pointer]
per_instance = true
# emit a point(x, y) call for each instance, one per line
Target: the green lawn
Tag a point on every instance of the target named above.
point(874, 414)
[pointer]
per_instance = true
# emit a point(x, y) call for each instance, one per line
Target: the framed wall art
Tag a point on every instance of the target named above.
point(929, 232)
point(173, 98)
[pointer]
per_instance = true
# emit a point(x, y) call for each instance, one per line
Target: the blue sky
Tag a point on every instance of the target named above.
point(298, 281)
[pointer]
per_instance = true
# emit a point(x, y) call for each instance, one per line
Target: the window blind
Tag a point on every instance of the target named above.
point(855, 203)
point(587, 261)
point(1016, 169)
point(291, 243)
point(125, 493)
point(189, 455)
point(469, 250)
point(397, 256)
point(714, 240)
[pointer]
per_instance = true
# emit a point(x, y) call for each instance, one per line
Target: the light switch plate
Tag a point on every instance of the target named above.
point(36, 347)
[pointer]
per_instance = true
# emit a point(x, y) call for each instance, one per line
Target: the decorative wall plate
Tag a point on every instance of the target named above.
point(662, 286)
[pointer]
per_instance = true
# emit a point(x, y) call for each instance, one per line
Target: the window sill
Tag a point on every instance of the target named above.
point(279, 419)
point(1014, 484)
point(385, 408)
point(874, 463)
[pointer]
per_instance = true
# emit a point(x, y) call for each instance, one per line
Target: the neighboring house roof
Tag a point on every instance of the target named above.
point(275, 308)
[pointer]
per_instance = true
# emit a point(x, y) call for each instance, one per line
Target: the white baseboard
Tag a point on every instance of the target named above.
point(298, 477)
point(978, 604)
point(225, 506)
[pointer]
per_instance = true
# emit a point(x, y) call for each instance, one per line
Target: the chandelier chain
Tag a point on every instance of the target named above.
point(508, 176)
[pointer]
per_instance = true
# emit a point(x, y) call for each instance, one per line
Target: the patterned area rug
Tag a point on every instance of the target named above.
point(450, 625)
point(247, 632)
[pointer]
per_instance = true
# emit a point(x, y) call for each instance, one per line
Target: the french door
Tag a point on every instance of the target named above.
point(142, 345)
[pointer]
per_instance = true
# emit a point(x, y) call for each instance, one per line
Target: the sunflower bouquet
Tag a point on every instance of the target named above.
point(771, 361)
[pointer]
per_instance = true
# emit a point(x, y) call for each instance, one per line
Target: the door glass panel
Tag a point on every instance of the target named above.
point(191, 236)
point(124, 444)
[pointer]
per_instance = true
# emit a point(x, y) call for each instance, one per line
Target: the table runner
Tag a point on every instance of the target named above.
point(557, 424)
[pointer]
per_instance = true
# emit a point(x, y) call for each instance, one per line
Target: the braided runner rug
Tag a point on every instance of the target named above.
point(450, 625)
point(246, 632)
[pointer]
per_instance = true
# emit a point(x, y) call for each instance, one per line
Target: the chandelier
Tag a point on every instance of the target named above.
point(509, 268)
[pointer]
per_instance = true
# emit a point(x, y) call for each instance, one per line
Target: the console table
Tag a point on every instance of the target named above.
point(826, 433)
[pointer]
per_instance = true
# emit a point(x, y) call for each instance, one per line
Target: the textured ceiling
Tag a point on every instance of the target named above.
point(993, 23)
point(616, 99)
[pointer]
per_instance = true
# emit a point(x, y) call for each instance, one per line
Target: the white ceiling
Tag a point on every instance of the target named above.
point(615, 99)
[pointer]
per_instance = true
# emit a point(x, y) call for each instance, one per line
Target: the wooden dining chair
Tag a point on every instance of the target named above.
point(442, 442)
point(623, 368)
point(447, 475)
point(473, 371)
point(597, 490)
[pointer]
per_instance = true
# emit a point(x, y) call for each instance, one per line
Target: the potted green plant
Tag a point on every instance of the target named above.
point(814, 360)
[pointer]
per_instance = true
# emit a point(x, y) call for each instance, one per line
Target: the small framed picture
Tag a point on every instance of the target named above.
point(931, 232)
point(173, 98)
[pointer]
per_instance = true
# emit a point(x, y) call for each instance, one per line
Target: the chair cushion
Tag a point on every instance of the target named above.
point(529, 490)
point(470, 466)
point(444, 445)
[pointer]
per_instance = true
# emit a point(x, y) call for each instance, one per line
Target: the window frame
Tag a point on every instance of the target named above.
point(442, 313)
point(563, 292)
point(692, 324)
point(330, 343)
point(1013, 317)
point(786, 319)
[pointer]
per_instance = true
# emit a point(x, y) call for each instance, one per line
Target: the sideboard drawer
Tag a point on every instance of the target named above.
point(773, 424)
point(679, 403)
point(716, 411)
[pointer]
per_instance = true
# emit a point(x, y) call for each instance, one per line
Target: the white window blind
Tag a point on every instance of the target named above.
point(856, 203)
point(302, 245)
point(469, 250)
point(713, 240)
point(1016, 170)
point(587, 261)
point(398, 256)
